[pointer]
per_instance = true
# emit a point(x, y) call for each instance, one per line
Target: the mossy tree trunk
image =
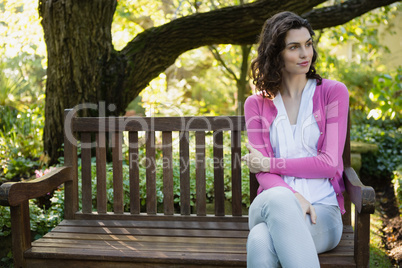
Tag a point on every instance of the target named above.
point(83, 67)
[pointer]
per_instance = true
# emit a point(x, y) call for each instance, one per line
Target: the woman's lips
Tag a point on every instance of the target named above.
point(304, 63)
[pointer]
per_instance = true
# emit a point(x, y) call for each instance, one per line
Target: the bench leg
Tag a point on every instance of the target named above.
point(20, 232)
point(362, 239)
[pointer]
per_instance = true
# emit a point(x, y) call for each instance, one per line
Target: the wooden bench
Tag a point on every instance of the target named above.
point(166, 235)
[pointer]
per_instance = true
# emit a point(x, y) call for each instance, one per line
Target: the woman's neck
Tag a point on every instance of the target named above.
point(293, 86)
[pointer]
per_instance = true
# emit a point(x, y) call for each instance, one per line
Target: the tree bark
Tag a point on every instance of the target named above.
point(83, 67)
point(242, 84)
point(82, 64)
point(342, 13)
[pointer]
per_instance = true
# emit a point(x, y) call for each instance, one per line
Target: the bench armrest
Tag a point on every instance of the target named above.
point(14, 193)
point(362, 196)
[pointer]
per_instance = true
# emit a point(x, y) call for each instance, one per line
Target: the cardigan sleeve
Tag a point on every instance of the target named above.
point(329, 156)
point(257, 126)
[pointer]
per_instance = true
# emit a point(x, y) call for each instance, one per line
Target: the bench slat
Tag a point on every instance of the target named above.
point(117, 155)
point(201, 123)
point(101, 197)
point(139, 238)
point(184, 173)
point(236, 174)
point(151, 172)
point(167, 149)
point(134, 173)
point(153, 231)
point(137, 257)
point(86, 173)
point(219, 174)
point(194, 224)
point(144, 216)
point(200, 173)
point(201, 245)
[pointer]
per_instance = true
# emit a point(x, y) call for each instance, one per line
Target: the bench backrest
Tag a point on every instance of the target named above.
point(170, 149)
point(197, 139)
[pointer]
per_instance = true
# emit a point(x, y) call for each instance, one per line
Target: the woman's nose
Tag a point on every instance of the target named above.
point(303, 53)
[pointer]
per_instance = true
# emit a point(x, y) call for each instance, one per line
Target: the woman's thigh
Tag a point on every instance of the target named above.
point(327, 232)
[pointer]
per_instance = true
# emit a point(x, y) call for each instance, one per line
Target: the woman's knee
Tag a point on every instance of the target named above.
point(258, 236)
point(260, 249)
point(258, 241)
point(280, 199)
point(272, 205)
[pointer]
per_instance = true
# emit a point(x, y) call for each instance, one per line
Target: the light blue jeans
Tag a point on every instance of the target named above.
point(280, 236)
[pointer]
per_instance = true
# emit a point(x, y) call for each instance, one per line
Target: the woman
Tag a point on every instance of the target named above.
point(296, 127)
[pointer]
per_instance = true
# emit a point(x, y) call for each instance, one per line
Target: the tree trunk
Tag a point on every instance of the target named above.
point(83, 67)
point(242, 82)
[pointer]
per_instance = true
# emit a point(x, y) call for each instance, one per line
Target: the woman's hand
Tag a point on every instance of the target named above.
point(307, 207)
point(256, 161)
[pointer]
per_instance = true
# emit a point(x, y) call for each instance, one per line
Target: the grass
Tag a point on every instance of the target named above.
point(378, 254)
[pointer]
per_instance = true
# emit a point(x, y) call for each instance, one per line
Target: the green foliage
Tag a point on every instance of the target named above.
point(5, 221)
point(386, 93)
point(379, 167)
point(10, 91)
point(20, 140)
point(44, 220)
point(354, 54)
point(22, 50)
point(379, 258)
point(20, 167)
point(22, 74)
point(378, 254)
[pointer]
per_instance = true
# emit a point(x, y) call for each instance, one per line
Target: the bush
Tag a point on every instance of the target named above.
point(378, 167)
point(20, 142)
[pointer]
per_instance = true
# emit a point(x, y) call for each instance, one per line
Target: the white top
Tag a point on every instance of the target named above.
point(303, 143)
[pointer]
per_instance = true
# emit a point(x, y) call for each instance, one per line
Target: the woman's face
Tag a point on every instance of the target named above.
point(298, 52)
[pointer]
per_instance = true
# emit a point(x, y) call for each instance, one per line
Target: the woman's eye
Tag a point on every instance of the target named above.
point(309, 44)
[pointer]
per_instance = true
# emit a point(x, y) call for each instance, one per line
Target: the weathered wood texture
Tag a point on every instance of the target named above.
point(158, 233)
point(146, 243)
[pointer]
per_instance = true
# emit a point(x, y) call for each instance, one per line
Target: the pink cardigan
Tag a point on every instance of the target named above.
point(330, 109)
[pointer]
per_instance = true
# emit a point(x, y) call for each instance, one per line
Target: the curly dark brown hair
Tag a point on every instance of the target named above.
point(267, 67)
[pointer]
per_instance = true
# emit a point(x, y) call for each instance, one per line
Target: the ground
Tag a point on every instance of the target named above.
point(391, 225)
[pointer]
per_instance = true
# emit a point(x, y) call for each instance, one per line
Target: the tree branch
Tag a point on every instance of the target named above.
point(342, 13)
point(152, 51)
point(155, 49)
point(218, 57)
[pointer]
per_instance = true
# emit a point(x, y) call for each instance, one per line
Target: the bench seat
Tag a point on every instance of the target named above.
point(157, 242)
point(139, 243)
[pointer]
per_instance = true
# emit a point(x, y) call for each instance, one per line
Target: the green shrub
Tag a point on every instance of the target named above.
point(378, 167)
point(20, 141)
point(385, 94)
point(21, 167)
